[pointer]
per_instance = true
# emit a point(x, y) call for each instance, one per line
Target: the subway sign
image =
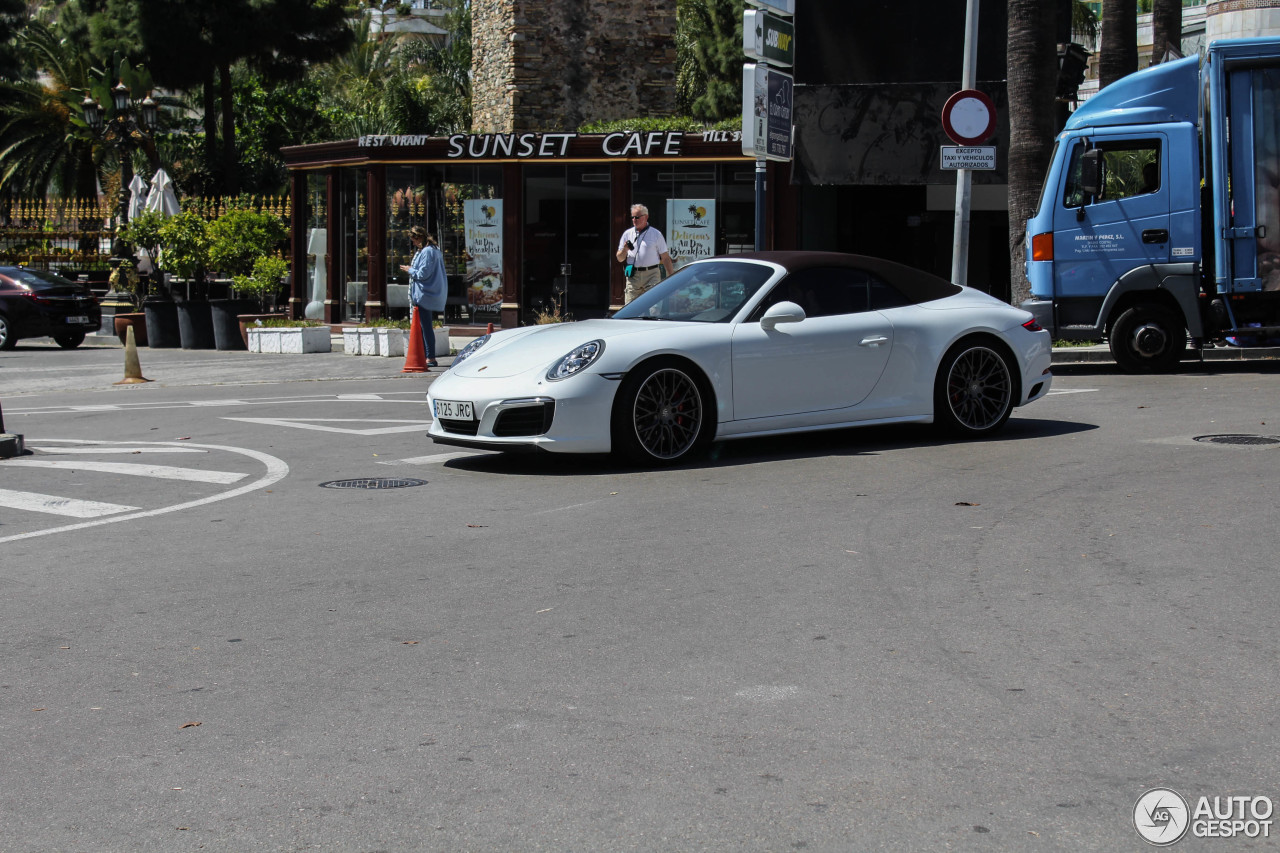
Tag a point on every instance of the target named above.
point(768, 38)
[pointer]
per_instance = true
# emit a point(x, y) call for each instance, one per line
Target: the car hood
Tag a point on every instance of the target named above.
point(531, 349)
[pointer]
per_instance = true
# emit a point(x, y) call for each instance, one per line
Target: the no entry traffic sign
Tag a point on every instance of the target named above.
point(969, 117)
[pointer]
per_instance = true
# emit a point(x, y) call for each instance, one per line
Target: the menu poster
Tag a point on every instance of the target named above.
point(483, 218)
point(691, 229)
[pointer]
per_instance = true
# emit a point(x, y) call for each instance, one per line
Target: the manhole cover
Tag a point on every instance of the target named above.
point(1238, 439)
point(374, 483)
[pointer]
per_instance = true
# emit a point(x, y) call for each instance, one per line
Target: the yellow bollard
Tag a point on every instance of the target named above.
point(132, 368)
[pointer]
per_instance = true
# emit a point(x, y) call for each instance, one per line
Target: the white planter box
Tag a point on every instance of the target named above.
point(368, 341)
point(306, 339)
point(298, 339)
point(351, 341)
point(264, 340)
point(391, 342)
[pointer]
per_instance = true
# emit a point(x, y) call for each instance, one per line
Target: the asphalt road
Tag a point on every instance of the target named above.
point(861, 640)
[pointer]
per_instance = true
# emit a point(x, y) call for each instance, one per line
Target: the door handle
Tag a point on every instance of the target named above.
point(1155, 235)
point(874, 340)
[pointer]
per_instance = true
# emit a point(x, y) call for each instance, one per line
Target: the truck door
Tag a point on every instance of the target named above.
point(1098, 239)
point(1253, 232)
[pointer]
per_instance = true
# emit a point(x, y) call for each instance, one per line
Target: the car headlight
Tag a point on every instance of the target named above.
point(469, 350)
point(578, 359)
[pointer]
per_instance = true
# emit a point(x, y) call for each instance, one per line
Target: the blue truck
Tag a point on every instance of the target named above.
point(1159, 219)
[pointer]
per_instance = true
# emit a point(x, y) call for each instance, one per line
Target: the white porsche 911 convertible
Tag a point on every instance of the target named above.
point(748, 345)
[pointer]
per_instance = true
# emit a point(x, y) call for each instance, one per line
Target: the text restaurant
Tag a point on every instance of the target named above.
point(528, 222)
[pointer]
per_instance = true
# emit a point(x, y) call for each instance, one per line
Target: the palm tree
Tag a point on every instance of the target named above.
point(1166, 36)
point(45, 146)
point(1032, 72)
point(1118, 55)
point(400, 84)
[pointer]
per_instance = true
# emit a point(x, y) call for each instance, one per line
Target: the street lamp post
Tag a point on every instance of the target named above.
point(129, 128)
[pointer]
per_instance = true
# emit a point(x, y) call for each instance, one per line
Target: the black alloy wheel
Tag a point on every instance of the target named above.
point(7, 337)
point(659, 415)
point(973, 395)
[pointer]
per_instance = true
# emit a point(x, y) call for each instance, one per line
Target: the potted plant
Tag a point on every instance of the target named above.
point(281, 335)
point(126, 284)
point(236, 240)
point(261, 283)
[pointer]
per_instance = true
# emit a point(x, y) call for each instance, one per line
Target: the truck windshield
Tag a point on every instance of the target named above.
point(1044, 188)
point(1130, 167)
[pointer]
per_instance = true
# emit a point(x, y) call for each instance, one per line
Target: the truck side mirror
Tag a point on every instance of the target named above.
point(1091, 172)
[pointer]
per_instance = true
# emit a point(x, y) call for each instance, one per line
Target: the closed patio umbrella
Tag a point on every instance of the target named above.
point(162, 197)
point(137, 196)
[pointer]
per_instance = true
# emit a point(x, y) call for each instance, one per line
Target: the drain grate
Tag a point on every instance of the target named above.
point(374, 483)
point(1248, 440)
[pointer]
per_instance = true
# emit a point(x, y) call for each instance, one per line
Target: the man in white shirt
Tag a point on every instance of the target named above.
point(643, 249)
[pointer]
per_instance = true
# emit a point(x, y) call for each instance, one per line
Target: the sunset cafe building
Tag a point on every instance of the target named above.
point(529, 222)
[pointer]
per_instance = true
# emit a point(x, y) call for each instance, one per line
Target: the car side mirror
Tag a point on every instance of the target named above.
point(1091, 176)
point(783, 312)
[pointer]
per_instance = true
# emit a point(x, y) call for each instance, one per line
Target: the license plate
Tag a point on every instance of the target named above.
point(455, 410)
point(79, 318)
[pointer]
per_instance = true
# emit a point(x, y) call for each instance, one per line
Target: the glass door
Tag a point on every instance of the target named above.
point(567, 244)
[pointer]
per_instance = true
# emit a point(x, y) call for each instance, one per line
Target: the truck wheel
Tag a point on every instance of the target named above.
point(1148, 338)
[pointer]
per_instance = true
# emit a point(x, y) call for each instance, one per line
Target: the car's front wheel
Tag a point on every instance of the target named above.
point(660, 415)
point(7, 337)
point(974, 392)
point(69, 340)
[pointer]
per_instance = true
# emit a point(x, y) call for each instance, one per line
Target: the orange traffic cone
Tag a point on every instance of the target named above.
point(132, 368)
point(489, 331)
point(415, 358)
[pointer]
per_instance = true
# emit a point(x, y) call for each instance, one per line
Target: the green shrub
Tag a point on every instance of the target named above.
point(286, 323)
point(239, 237)
point(184, 246)
point(264, 281)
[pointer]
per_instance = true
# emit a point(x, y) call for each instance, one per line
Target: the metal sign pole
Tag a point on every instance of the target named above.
point(760, 197)
point(964, 177)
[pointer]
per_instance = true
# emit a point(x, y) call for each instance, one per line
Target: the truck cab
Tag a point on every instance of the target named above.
point(1149, 229)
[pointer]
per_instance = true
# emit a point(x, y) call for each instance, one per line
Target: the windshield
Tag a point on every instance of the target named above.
point(708, 292)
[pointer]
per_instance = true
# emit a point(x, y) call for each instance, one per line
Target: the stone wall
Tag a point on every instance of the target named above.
point(539, 65)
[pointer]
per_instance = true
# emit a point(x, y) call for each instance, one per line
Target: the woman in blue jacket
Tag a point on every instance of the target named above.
point(428, 286)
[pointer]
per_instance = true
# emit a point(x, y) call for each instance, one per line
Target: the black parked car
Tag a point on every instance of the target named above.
point(35, 303)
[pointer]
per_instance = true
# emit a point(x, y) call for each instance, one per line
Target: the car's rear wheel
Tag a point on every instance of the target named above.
point(7, 336)
point(69, 340)
point(974, 392)
point(660, 415)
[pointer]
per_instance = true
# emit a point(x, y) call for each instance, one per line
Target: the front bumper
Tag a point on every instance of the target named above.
point(572, 416)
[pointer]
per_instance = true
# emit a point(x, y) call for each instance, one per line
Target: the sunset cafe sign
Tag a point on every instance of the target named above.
point(633, 143)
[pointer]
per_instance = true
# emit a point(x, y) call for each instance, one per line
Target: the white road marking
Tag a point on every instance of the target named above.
point(318, 424)
point(418, 399)
point(439, 457)
point(54, 505)
point(133, 469)
point(96, 450)
point(1056, 391)
point(277, 470)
